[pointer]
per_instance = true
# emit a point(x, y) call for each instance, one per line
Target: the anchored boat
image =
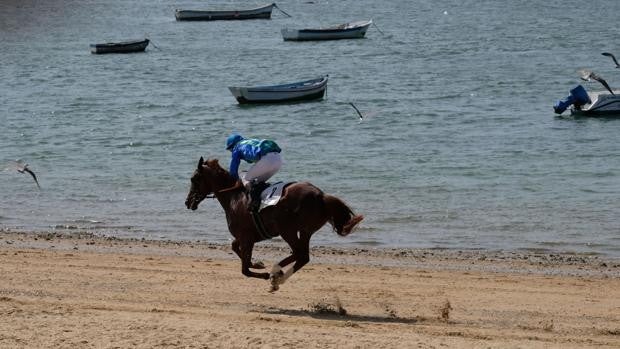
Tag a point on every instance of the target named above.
point(263, 12)
point(584, 103)
point(296, 91)
point(353, 30)
point(120, 47)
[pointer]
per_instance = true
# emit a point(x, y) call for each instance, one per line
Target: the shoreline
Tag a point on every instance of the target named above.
point(521, 262)
point(87, 291)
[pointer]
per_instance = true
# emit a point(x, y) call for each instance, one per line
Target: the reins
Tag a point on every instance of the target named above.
point(237, 185)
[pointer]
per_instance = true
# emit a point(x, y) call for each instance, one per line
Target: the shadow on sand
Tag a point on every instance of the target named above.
point(339, 316)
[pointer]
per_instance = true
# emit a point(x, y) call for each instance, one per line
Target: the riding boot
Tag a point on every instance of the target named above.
point(256, 188)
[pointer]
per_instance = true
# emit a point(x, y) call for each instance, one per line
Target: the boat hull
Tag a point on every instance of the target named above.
point(301, 91)
point(195, 15)
point(346, 31)
point(604, 104)
point(120, 47)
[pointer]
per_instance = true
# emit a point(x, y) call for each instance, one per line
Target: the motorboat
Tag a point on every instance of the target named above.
point(584, 103)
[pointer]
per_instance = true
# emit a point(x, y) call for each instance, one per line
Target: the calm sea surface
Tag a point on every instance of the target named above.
point(461, 148)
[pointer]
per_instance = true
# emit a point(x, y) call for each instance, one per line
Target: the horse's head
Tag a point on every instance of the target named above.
point(208, 178)
point(200, 186)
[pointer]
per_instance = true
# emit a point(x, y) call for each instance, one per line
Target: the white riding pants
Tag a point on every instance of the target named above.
point(264, 168)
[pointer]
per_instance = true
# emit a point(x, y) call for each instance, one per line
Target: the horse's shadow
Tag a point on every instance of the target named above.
point(336, 316)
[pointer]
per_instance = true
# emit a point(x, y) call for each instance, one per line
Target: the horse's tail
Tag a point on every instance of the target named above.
point(341, 216)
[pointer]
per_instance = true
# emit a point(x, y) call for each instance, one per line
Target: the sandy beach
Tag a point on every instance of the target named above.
point(85, 291)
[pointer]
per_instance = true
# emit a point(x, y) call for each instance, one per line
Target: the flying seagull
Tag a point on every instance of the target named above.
point(586, 75)
point(23, 168)
point(365, 115)
point(612, 57)
point(357, 110)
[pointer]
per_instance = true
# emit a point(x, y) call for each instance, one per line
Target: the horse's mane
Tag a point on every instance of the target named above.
point(214, 165)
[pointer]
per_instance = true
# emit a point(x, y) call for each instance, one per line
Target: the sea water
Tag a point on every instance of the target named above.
point(459, 147)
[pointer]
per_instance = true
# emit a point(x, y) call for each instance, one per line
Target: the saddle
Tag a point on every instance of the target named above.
point(270, 194)
point(266, 194)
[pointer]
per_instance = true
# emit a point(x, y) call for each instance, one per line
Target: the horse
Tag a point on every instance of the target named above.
point(302, 210)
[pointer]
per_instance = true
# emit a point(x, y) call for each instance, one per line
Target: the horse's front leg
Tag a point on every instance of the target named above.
point(236, 247)
point(245, 252)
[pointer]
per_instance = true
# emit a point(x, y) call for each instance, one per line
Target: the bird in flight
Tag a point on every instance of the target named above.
point(364, 115)
point(357, 110)
point(612, 57)
point(23, 168)
point(586, 75)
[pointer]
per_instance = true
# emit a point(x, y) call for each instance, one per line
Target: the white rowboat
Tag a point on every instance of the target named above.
point(297, 91)
point(263, 12)
point(353, 30)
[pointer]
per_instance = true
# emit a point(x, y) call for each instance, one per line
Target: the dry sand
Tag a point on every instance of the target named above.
point(83, 291)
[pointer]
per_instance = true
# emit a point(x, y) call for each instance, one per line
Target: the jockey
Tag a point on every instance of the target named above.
point(264, 154)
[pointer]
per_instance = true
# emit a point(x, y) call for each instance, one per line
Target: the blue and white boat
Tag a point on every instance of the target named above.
point(296, 91)
point(584, 103)
point(602, 104)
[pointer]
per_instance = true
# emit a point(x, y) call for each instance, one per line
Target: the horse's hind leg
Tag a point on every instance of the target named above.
point(300, 255)
point(245, 253)
point(277, 268)
point(237, 249)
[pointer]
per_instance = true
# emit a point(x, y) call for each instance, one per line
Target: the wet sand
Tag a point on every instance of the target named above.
point(85, 291)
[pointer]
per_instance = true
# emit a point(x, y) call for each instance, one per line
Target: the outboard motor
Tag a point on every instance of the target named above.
point(577, 97)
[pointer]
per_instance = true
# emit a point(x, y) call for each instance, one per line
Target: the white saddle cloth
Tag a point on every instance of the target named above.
point(272, 194)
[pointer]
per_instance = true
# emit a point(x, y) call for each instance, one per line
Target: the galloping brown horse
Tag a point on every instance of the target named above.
point(302, 210)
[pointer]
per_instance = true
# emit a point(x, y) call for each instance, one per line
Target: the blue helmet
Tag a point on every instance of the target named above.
point(232, 140)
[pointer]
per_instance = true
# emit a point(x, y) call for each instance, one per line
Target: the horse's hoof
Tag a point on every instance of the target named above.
point(275, 278)
point(275, 285)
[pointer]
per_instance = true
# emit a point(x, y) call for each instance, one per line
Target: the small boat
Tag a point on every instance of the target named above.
point(583, 103)
point(297, 91)
point(603, 104)
point(353, 30)
point(263, 12)
point(120, 47)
